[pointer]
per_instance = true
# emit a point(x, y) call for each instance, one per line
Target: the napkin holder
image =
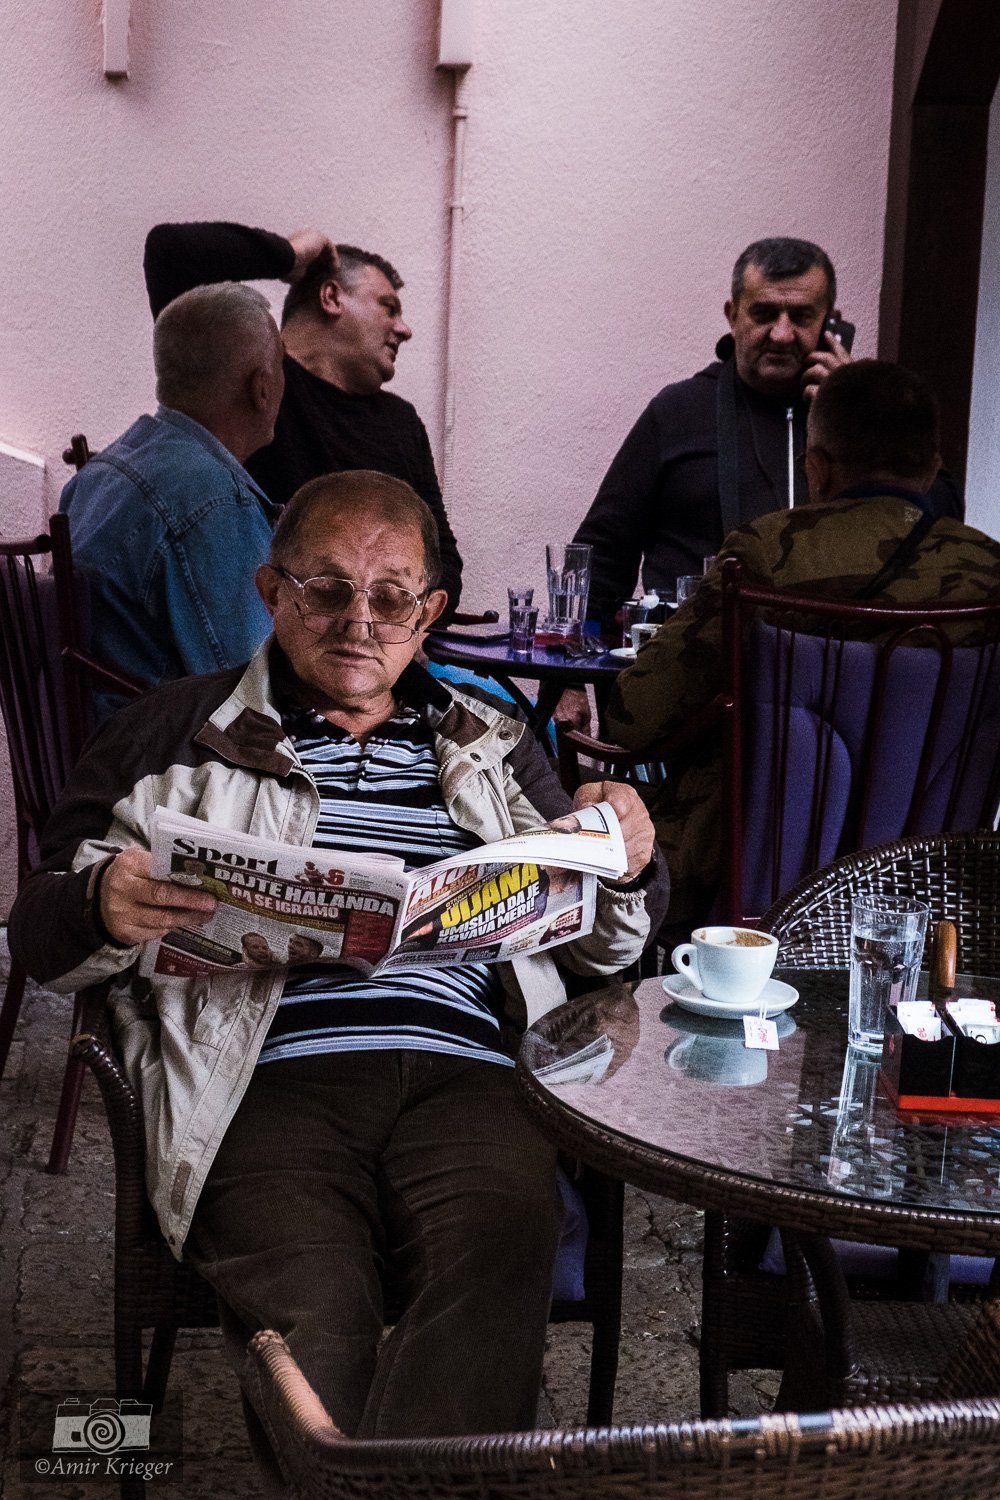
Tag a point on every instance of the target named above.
point(976, 1076)
point(955, 1075)
point(917, 1074)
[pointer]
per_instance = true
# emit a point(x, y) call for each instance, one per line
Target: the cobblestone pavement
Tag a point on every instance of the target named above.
point(56, 1292)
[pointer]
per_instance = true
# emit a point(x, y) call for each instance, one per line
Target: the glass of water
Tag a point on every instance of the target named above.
point(634, 612)
point(518, 599)
point(567, 566)
point(523, 620)
point(887, 943)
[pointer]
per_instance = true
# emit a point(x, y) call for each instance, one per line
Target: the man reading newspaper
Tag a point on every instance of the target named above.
point(311, 1128)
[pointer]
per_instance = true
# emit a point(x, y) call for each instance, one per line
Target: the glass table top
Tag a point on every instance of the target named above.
point(633, 1066)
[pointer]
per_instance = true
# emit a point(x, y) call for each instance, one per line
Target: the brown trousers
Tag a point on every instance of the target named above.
point(344, 1173)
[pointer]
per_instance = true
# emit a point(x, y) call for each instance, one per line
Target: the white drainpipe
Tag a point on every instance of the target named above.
point(455, 54)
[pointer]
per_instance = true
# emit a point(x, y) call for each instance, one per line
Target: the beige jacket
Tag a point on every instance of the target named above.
point(190, 1045)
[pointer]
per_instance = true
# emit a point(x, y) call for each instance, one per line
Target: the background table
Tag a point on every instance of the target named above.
point(686, 1110)
point(548, 666)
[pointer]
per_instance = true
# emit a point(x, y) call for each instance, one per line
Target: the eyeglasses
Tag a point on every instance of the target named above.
point(325, 597)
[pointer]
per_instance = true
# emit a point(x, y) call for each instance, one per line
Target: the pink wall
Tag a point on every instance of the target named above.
point(620, 153)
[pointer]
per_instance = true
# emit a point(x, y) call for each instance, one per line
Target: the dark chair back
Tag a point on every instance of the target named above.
point(45, 677)
point(78, 454)
point(839, 725)
point(40, 705)
point(849, 743)
point(484, 617)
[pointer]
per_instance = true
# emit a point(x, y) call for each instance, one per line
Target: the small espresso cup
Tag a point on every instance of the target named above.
point(730, 964)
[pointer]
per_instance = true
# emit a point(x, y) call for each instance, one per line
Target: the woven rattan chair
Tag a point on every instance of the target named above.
point(944, 1452)
point(843, 1352)
point(958, 875)
point(745, 1310)
point(45, 678)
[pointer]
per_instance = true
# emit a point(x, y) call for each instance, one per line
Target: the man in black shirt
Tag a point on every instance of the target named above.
point(667, 500)
point(342, 326)
point(715, 451)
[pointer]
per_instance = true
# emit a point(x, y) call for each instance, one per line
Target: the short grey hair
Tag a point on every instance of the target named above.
point(207, 341)
point(780, 257)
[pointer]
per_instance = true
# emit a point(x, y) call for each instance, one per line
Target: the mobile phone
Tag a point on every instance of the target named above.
point(842, 331)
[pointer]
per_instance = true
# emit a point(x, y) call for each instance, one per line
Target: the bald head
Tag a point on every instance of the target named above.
point(357, 492)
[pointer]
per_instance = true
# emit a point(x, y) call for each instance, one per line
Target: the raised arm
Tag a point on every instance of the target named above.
point(180, 256)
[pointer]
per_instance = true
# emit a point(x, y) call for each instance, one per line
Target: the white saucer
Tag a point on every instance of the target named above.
point(776, 996)
point(624, 653)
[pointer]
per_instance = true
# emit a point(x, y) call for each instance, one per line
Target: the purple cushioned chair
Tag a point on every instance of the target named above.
point(848, 744)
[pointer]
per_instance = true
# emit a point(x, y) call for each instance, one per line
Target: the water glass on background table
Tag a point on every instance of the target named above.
point(887, 943)
point(567, 567)
point(686, 585)
point(523, 621)
point(634, 612)
point(517, 598)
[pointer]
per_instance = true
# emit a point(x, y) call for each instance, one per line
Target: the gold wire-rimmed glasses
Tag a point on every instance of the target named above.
point(326, 597)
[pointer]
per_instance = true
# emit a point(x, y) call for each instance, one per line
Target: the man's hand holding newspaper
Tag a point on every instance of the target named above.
point(277, 904)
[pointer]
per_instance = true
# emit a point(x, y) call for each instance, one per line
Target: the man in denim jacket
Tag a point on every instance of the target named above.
point(167, 526)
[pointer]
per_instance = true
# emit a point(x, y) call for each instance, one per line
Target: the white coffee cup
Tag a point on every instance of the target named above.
point(730, 964)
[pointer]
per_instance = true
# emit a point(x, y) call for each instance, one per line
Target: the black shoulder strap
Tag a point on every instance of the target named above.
point(728, 454)
point(899, 559)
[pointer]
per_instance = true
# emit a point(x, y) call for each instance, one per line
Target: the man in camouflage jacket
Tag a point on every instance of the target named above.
point(871, 456)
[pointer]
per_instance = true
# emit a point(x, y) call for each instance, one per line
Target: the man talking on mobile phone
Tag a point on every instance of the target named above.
point(727, 445)
point(724, 446)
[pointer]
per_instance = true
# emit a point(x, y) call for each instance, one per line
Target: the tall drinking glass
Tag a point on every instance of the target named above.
point(567, 567)
point(634, 612)
point(518, 599)
point(887, 942)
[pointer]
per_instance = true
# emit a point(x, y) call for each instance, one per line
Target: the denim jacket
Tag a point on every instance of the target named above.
point(167, 529)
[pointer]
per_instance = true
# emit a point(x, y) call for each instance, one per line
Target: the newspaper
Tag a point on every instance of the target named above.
point(280, 905)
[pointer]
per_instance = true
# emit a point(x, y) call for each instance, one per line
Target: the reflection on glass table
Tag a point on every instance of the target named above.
point(802, 1138)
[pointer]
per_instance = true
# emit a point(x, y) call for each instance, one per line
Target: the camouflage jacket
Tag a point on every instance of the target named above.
point(832, 548)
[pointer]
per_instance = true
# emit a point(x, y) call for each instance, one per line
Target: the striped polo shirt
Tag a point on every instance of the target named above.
point(383, 797)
